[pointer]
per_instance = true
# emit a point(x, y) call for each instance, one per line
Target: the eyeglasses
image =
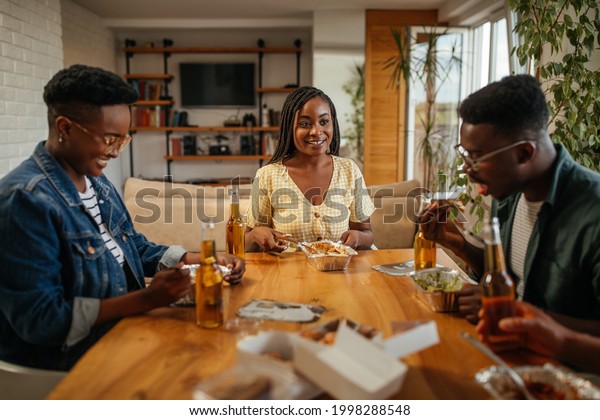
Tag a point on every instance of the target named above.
point(474, 162)
point(118, 143)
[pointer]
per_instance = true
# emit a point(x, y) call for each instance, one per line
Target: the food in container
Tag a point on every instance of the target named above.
point(353, 367)
point(544, 382)
point(271, 353)
point(237, 383)
point(327, 255)
point(190, 299)
point(326, 333)
point(437, 287)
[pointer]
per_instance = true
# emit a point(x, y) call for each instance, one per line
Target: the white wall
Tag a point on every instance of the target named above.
point(31, 46)
point(87, 41)
point(338, 45)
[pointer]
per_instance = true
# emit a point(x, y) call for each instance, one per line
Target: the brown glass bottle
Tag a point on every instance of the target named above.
point(424, 251)
point(209, 282)
point(235, 230)
point(425, 255)
point(498, 291)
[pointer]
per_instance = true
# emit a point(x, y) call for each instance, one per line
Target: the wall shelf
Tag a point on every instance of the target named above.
point(161, 102)
point(209, 50)
point(218, 157)
point(149, 76)
point(200, 129)
point(259, 136)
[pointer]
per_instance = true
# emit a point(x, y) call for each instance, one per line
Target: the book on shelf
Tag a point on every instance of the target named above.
point(274, 117)
point(176, 146)
point(189, 145)
point(269, 143)
point(147, 91)
point(145, 116)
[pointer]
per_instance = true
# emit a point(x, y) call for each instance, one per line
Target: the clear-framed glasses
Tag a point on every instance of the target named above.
point(473, 162)
point(118, 143)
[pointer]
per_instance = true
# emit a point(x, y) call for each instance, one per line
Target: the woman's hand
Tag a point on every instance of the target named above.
point(236, 265)
point(268, 239)
point(359, 235)
point(351, 238)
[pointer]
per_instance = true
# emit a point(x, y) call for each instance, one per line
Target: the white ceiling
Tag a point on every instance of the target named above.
point(240, 9)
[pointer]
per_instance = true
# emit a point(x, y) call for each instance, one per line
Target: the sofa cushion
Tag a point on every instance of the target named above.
point(394, 222)
point(410, 188)
point(175, 219)
point(174, 189)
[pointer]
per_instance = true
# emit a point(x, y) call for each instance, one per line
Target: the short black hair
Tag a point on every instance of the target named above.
point(80, 88)
point(292, 104)
point(512, 104)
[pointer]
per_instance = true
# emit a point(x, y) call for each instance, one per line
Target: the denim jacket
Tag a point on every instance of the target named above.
point(54, 266)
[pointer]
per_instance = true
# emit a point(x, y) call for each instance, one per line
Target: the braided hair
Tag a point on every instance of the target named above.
point(291, 106)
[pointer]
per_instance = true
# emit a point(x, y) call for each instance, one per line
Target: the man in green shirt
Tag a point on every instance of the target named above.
point(546, 204)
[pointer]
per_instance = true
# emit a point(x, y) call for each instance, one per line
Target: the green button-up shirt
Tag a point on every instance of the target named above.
point(562, 264)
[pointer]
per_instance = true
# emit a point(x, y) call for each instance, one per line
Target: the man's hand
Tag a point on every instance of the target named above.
point(436, 226)
point(469, 302)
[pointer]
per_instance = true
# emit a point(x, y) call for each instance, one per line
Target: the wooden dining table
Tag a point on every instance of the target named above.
point(162, 354)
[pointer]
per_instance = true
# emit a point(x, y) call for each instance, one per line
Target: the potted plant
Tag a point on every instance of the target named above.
point(557, 41)
point(427, 61)
point(355, 88)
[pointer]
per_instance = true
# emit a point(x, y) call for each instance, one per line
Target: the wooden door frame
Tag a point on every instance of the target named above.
point(385, 107)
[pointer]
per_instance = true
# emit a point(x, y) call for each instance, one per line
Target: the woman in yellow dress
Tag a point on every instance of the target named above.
point(306, 191)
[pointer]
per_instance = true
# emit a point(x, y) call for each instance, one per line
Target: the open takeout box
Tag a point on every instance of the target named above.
point(354, 367)
point(255, 352)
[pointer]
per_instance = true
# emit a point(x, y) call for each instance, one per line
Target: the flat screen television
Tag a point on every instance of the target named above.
point(217, 84)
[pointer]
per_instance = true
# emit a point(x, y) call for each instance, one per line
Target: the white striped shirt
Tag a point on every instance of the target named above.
point(91, 204)
point(526, 215)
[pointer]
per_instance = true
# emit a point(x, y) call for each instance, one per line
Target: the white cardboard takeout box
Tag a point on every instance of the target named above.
point(357, 368)
point(352, 368)
point(251, 352)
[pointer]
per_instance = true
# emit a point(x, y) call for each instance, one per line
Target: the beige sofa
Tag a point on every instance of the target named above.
point(169, 213)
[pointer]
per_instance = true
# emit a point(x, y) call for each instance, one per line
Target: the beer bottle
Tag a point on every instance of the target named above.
point(235, 230)
point(498, 291)
point(209, 282)
point(425, 255)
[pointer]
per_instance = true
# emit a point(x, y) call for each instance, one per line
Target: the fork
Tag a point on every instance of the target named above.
point(516, 378)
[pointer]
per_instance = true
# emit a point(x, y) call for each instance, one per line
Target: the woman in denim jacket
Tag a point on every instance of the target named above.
point(71, 263)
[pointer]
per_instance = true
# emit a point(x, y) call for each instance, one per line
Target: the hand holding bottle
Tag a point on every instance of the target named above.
point(436, 226)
